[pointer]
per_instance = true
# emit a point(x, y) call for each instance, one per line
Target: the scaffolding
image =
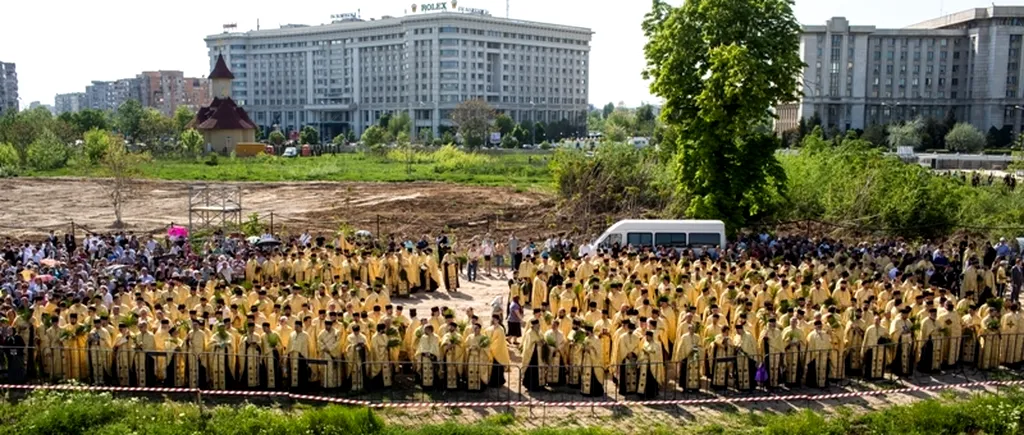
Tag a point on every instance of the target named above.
point(213, 206)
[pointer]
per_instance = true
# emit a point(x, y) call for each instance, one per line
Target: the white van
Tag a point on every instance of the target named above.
point(676, 234)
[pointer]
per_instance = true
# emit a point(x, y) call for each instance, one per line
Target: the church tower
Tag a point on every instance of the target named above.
point(221, 78)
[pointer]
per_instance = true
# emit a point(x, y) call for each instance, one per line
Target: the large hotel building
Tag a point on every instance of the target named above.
point(967, 62)
point(348, 74)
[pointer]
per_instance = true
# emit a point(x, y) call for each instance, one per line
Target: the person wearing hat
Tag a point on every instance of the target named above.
point(771, 348)
point(196, 364)
point(721, 358)
point(299, 350)
point(819, 353)
point(74, 349)
point(328, 348)
point(901, 334)
point(381, 366)
point(624, 358)
point(929, 343)
point(272, 370)
point(252, 356)
point(100, 344)
point(452, 355)
point(534, 377)
point(222, 358)
point(428, 351)
point(593, 376)
point(122, 356)
point(651, 370)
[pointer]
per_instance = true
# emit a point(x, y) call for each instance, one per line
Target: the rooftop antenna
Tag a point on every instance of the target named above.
point(257, 24)
point(506, 9)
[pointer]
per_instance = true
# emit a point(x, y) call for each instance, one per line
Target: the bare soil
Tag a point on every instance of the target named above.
point(32, 206)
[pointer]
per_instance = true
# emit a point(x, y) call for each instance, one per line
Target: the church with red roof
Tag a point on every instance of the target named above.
point(223, 123)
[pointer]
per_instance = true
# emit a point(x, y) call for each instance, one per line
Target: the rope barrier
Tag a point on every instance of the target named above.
point(537, 403)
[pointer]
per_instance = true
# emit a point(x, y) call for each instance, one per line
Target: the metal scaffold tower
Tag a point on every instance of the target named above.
point(213, 206)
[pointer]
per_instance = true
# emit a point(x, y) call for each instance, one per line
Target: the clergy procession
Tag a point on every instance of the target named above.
point(313, 314)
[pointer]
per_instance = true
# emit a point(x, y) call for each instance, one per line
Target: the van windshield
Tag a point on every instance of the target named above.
point(610, 240)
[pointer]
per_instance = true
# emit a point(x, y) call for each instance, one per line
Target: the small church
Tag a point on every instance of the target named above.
point(222, 123)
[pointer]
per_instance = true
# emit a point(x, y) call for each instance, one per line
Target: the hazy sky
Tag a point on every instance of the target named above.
point(60, 46)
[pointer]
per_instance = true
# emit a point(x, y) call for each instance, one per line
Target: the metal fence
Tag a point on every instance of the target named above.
point(720, 370)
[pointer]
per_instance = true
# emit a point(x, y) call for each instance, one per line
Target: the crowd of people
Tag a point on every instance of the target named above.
point(327, 314)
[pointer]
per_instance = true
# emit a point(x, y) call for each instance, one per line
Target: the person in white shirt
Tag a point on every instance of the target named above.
point(487, 250)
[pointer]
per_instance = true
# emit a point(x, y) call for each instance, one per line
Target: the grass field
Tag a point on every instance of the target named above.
point(447, 164)
point(71, 413)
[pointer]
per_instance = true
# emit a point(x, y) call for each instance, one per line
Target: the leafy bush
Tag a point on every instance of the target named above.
point(212, 160)
point(965, 138)
point(95, 145)
point(9, 159)
point(47, 152)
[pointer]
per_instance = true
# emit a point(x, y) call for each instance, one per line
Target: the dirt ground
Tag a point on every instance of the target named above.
point(33, 206)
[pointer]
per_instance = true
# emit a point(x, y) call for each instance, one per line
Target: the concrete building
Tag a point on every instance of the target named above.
point(104, 95)
point(8, 88)
point(967, 63)
point(166, 90)
point(73, 102)
point(346, 75)
point(37, 104)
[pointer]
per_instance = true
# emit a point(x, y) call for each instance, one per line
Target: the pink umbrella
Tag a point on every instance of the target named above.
point(45, 278)
point(176, 231)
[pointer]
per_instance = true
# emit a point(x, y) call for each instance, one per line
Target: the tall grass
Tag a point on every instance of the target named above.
point(447, 164)
point(73, 413)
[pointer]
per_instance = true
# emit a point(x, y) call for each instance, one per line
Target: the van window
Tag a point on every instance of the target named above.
point(611, 240)
point(709, 239)
point(639, 239)
point(670, 240)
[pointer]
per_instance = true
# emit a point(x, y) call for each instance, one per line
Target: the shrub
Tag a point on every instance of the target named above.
point(9, 159)
point(95, 145)
point(47, 153)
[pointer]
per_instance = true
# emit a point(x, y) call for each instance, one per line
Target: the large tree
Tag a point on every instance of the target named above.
point(720, 66)
point(473, 118)
point(965, 138)
point(128, 119)
point(182, 116)
point(504, 124)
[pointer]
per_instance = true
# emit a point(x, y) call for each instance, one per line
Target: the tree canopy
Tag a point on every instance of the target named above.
point(473, 119)
point(965, 138)
point(720, 66)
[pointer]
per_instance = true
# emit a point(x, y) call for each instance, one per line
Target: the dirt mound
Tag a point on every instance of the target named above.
point(33, 206)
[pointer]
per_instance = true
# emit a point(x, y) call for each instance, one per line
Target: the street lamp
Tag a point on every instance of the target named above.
point(533, 122)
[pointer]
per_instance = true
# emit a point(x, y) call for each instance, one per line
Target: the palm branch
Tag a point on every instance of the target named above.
point(394, 342)
point(273, 339)
point(130, 320)
point(484, 342)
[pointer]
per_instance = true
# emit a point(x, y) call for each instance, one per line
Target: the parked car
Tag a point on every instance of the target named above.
point(290, 152)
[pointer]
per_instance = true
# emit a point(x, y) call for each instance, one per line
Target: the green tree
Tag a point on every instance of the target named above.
point(509, 141)
point(473, 119)
point(96, 143)
point(540, 132)
point(522, 132)
point(999, 137)
point(447, 138)
point(877, 135)
point(340, 139)
point(123, 167)
point(182, 117)
point(128, 119)
point(614, 133)
point(10, 161)
point(276, 138)
point(595, 121)
point(965, 138)
point(373, 136)
point(426, 135)
point(86, 120)
point(398, 124)
point(191, 142)
point(309, 135)
point(644, 121)
point(154, 127)
point(607, 110)
point(504, 124)
point(47, 152)
point(905, 135)
point(720, 66)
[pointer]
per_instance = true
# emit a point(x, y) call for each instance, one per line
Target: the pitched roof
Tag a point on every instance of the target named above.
point(222, 114)
point(220, 70)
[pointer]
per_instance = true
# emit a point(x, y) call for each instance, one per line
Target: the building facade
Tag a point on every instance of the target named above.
point(69, 103)
point(967, 64)
point(104, 95)
point(346, 75)
point(166, 90)
point(8, 88)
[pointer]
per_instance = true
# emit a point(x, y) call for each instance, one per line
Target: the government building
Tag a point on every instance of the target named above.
point(968, 62)
point(348, 74)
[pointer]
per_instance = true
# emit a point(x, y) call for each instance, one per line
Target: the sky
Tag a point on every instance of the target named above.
point(61, 46)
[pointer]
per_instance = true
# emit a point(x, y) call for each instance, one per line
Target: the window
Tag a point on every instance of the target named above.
point(707, 239)
point(670, 240)
point(639, 239)
point(612, 239)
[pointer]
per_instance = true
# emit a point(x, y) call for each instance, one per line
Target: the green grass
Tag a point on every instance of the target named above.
point(72, 413)
point(518, 169)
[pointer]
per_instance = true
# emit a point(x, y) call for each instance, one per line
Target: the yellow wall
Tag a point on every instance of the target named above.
point(223, 141)
point(249, 149)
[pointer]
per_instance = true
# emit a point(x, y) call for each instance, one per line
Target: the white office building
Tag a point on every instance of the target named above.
point(348, 74)
point(968, 63)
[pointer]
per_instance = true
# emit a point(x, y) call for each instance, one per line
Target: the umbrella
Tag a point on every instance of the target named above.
point(363, 233)
point(49, 262)
point(176, 231)
point(45, 278)
point(253, 239)
point(267, 243)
